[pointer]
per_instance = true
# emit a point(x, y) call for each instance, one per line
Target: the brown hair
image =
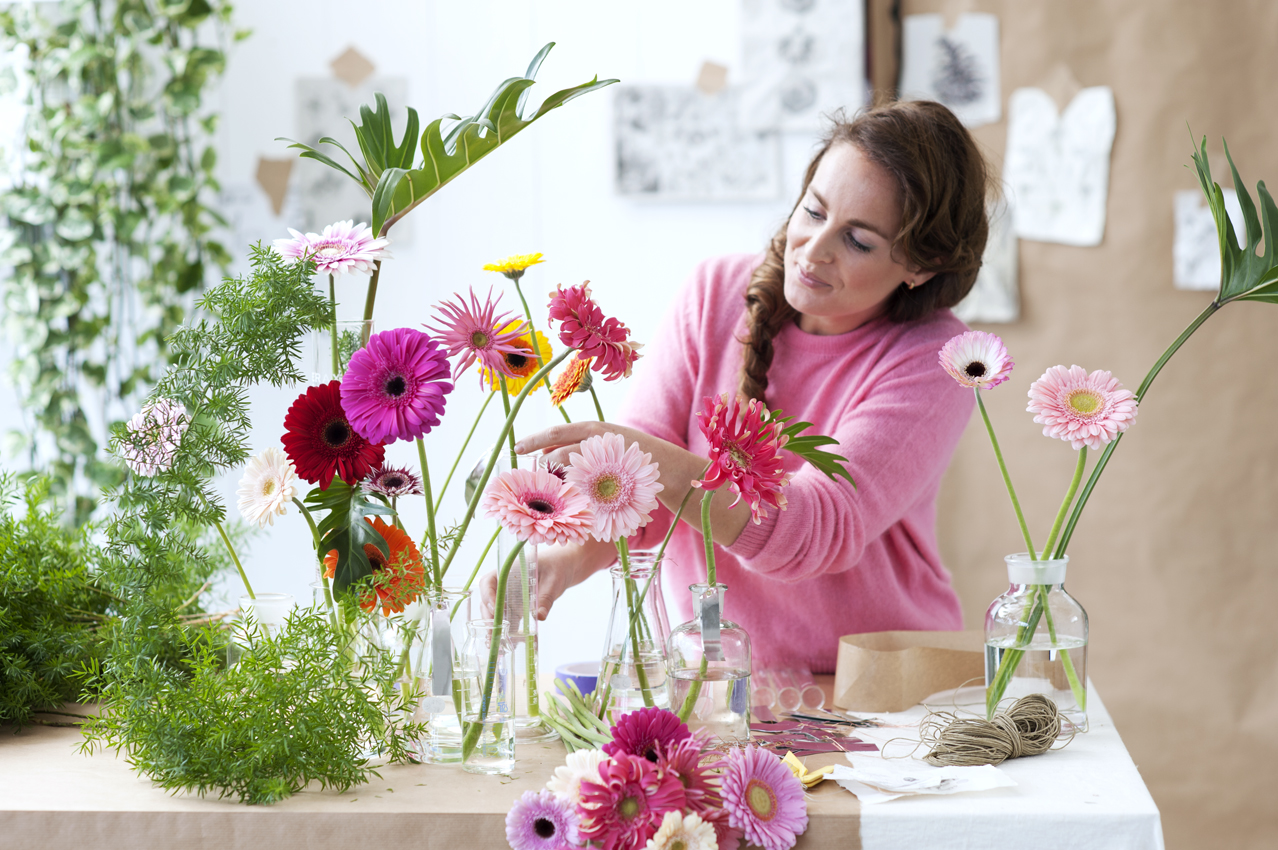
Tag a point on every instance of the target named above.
point(943, 182)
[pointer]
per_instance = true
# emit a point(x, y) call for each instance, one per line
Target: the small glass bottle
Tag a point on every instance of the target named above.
point(708, 666)
point(488, 729)
point(444, 745)
point(633, 670)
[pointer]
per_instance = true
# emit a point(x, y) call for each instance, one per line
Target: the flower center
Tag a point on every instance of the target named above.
point(739, 457)
point(607, 488)
point(541, 506)
point(628, 808)
point(975, 369)
point(336, 433)
point(395, 386)
point(268, 487)
point(479, 339)
point(1084, 402)
point(331, 249)
point(677, 844)
point(544, 827)
point(762, 802)
point(516, 361)
point(392, 482)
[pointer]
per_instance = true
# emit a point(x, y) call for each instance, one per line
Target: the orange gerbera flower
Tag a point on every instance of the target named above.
point(397, 581)
point(575, 378)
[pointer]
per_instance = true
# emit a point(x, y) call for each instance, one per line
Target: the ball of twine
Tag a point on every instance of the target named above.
point(1028, 728)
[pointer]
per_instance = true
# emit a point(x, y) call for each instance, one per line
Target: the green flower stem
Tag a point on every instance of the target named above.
point(473, 730)
point(235, 558)
point(1069, 499)
point(462, 450)
point(430, 515)
point(707, 537)
point(1007, 478)
point(598, 409)
point(332, 300)
point(565, 415)
point(623, 551)
point(370, 299)
point(510, 432)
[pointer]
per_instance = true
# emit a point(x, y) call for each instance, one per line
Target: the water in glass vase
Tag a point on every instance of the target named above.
point(723, 704)
point(626, 693)
point(1042, 671)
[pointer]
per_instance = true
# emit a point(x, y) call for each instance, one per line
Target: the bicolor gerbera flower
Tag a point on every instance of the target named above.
point(520, 366)
point(646, 733)
point(398, 581)
point(393, 481)
point(696, 766)
point(515, 265)
point(684, 832)
point(152, 436)
point(395, 387)
point(343, 247)
point(1085, 410)
point(745, 452)
point(575, 378)
point(541, 821)
point(267, 487)
point(621, 483)
point(977, 359)
point(584, 328)
point(320, 441)
point(538, 507)
point(581, 765)
point(626, 806)
point(763, 798)
point(467, 331)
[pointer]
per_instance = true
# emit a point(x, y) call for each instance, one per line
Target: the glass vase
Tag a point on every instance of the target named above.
point(708, 669)
point(1036, 640)
point(633, 669)
point(488, 728)
point(263, 615)
point(442, 668)
point(332, 347)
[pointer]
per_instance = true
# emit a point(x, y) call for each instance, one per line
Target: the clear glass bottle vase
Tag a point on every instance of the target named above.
point(708, 668)
point(632, 673)
point(441, 674)
point(1036, 639)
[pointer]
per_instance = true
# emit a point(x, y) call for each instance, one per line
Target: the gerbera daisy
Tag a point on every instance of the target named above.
point(646, 733)
point(584, 328)
point(977, 359)
point(745, 452)
point(515, 265)
point(763, 798)
point(538, 507)
point(696, 767)
point(267, 487)
point(624, 808)
point(320, 441)
point(393, 481)
point(343, 247)
point(152, 436)
point(575, 378)
point(394, 388)
point(1087, 410)
point(580, 765)
point(399, 580)
point(467, 331)
point(684, 832)
point(729, 836)
point(620, 482)
point(541, 821)
point(521, 365)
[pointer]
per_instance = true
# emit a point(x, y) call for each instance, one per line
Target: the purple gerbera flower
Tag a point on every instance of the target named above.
point(393, 481)
point(395, 386)
point(474, 333)
point(763, 798)
point(541, 821)
point(646, 733)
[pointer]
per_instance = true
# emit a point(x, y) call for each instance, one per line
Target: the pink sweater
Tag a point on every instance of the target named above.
point(837, 561)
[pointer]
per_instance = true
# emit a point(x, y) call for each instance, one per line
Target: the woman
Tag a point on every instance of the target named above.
point(839, 324)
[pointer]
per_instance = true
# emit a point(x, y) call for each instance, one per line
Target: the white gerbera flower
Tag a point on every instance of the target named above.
point(267, 487)
point(683, 832)
point(580, 764)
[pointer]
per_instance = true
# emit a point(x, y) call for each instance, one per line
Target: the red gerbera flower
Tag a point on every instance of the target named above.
point(320, 441)
point(745, 452)
point(624, 809)
point(584, 327)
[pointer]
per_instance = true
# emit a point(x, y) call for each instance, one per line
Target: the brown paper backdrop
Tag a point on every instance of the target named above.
point(1174, 558)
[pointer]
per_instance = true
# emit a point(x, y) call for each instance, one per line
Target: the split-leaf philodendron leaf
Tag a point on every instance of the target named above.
point(1244, 274)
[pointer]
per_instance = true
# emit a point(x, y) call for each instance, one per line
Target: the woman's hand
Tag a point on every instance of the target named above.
point(558, 442)
point(558, 568)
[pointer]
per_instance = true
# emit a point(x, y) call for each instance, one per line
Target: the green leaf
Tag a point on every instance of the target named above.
point(1244, 274)
point(347, 529)
point(809, 448)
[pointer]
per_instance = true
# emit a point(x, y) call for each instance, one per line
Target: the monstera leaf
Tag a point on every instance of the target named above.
point(346, 530)
point(1244, 274)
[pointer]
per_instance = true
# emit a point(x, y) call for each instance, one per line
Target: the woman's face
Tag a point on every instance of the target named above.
point(839, 268)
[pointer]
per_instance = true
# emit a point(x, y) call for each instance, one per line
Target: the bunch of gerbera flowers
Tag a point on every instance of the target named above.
point(658, 786)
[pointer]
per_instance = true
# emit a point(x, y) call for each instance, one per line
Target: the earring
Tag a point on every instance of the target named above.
point(909, 284)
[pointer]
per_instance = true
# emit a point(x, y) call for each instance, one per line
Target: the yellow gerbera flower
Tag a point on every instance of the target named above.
point(523, 366)
point(514, 266)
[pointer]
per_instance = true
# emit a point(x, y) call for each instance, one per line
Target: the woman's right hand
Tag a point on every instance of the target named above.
point(558, 568)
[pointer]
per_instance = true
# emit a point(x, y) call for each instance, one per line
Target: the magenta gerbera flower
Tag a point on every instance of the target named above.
point(745, 453)
point(625, 808)
point(343, 247)
point(646, 733)
point(393, 481)
point(1086, 410)
point(394, 388)
point(471, 332)
point(538, 507)
point(621, 484)
point(541, 821)
point(763, 798)
point(583, 326)
point(152, 436)
point(696, 767)
point(977, 359)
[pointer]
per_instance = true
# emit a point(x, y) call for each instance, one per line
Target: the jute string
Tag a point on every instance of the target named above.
point(1028, 728)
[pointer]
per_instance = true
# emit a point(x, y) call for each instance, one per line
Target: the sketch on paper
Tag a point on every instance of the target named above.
point(676, 143)
point(959, 67)
point(995, 297)
point(1196, 249)
point(1057, 165)
point(319, 195)
point(800, 59)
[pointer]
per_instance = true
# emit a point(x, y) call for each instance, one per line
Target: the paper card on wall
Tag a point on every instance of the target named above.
point(1057, 165)
point(712, 78)
point(958, 67)
point(995, 297)
point(352, 67)
point(676, 143)
point(272, 176)
point(800, 59)
point(1196, 250)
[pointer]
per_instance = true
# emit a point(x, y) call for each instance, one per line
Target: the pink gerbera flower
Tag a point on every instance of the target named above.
point(394, 388)
point(152, 436)
point(541, 821)
point(625, 808)
point(763, 798)
point(745, 453)
point(646, 733)
point(585, 328)
point(538, 507)
point(977, 359)
point(475, 332)
point(696, 765)
point(343, 247)
point(1087, 410)
point(621, 484)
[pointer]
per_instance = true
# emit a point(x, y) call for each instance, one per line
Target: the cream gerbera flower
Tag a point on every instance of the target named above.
point(683, 832)
point(515, 265)
point(580, 765)
point(267, 487)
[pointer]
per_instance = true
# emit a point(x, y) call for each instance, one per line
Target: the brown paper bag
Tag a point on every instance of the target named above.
point(892, 671)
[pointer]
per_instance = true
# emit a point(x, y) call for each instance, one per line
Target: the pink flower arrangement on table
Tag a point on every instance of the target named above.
point(658, 786)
